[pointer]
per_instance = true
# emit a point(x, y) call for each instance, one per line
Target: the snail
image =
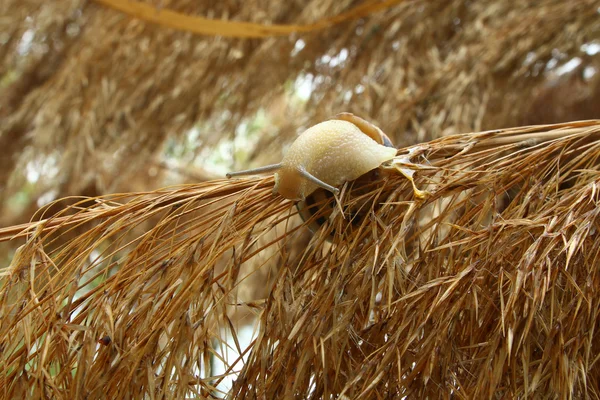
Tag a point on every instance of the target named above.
point(342, 149)
point(327, 155)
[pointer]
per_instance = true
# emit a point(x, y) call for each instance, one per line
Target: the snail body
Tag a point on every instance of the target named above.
point(327, 155)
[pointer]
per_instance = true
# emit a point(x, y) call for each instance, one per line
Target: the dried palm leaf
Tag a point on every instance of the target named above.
point(484, 285)
point(236, 29)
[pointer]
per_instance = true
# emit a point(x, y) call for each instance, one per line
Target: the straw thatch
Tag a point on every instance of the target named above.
point(484, 286)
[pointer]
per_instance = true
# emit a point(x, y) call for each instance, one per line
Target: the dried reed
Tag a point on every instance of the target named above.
point(486, 287)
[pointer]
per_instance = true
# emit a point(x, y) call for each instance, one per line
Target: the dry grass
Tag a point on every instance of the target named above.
point(486, 287)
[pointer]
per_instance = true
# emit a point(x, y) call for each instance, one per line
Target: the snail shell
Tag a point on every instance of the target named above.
point(327, 155)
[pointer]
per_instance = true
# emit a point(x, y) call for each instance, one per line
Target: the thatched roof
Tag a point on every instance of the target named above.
point(483, 287)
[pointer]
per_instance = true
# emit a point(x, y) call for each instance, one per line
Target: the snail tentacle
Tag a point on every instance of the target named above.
point(266, 168)
point(317, 181)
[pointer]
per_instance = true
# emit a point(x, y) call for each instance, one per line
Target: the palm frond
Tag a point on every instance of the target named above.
point(483, 286)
